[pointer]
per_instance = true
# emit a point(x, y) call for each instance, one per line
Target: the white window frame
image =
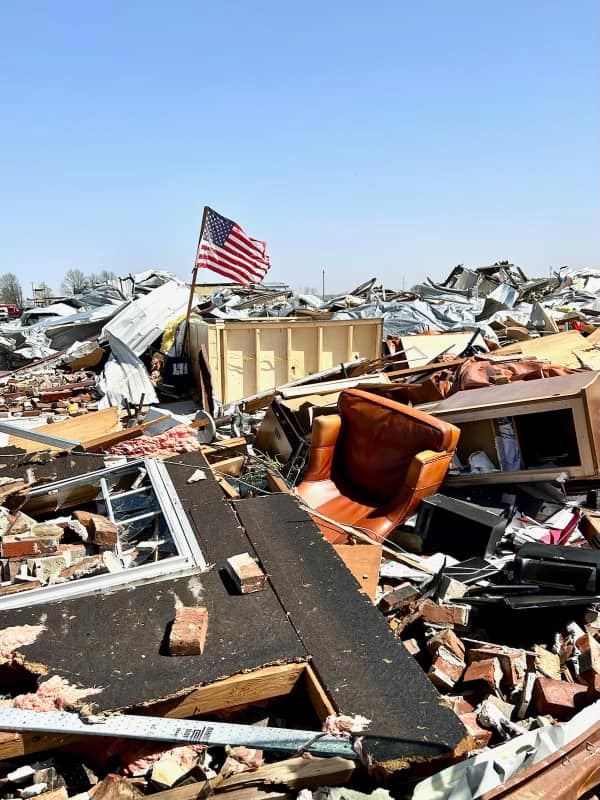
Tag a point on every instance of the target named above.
point(189, 558)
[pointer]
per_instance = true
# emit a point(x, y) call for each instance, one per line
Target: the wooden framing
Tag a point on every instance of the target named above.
point(244, 689)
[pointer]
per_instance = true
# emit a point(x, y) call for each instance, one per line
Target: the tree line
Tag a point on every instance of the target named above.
point(74, 282)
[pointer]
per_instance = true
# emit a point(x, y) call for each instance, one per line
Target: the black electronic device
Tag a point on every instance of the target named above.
point(460, 529)
point(559, 568)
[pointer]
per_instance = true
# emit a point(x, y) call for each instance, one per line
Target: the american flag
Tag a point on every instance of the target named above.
point(226, 249)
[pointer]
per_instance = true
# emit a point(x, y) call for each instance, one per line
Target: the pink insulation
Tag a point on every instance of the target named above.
point(344, 725)
point(54, 694)
point(11, 639)
point(181, 439)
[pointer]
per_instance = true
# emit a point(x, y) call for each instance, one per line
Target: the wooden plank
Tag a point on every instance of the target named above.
point(81, 429)
point(298, 773)
point(224, 446)
point(276, 483)
point(317, 695)
point(239, 690)
point(229, 490)
point(408, 371)
point(420, 350)
point(228, 466)
point(295, 773)
point(363, 561)
point(13, 745)
point(111, 438)
point(558, 348)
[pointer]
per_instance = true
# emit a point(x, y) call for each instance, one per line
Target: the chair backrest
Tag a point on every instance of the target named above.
point(378, 440)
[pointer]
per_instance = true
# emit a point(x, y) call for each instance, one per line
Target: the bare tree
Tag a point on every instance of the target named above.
point(10, 289)
point(75, 282)
point(104, 276)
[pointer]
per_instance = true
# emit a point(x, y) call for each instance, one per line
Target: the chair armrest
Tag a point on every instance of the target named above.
point(325, 432)
point(427, 470)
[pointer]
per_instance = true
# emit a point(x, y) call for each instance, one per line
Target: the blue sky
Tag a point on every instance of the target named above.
point(393, 139)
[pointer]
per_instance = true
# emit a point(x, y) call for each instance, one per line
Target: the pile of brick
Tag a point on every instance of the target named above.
point(35, 554)
point(48, 392)
point(497, 691)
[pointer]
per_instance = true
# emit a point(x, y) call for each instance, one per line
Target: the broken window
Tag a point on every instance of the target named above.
point(95, 531)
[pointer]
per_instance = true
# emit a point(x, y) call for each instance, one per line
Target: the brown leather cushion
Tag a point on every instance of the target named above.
point(377, 442)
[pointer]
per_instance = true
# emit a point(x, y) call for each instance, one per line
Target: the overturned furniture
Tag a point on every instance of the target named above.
point(528, 431)
point(372, 464)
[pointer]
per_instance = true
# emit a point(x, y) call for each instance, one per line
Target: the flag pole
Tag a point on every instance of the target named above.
point(193, 286)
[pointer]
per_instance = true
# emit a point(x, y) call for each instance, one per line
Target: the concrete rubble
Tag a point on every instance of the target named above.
point(435, 488)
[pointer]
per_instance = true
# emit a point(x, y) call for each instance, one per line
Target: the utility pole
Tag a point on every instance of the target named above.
point(323, 293)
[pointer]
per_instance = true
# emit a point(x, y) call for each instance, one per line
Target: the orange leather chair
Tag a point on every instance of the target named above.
point(372, 464)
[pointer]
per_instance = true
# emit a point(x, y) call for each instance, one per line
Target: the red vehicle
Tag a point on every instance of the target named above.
point(12, 311)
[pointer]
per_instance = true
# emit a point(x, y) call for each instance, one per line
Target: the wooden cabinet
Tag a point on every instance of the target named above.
point(553, 425)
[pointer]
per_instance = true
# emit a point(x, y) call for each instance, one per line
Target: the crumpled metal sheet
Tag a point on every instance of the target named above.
point(124, 377)
point(485, 771)
point(143, 321)
point(417, 316)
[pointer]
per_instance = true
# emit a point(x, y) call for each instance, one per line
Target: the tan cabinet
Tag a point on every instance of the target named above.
point(254, 355)
point(552, 424)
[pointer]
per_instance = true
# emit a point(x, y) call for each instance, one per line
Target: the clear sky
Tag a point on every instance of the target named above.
point(394, 139)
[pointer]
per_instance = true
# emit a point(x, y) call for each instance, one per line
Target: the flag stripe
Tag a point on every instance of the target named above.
point(235, 274)
point(219, 258)
point(245, 241)
point(225, 273)
point(242, 254)
point(253, 264)
point(232, 260)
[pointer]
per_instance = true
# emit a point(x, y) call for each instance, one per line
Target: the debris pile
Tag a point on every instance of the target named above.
point(403, 598)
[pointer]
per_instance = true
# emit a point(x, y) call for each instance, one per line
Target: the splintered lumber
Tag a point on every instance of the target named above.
point(297, 773)
point(114, 437)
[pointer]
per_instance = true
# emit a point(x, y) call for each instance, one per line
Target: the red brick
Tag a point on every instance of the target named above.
point(53, 396)
point(589, 659)
point(558, 698)
point(84, 567)
point(15, 548)
point(513, 662)
point(246, 573)
point(446, 638)
point(448, 614)
point(446, 669)
point(488, 670)
point(14, 588)
point(188, 632)
point(104, 532)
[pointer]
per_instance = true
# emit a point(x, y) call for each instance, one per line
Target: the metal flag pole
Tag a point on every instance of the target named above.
point(193, 286)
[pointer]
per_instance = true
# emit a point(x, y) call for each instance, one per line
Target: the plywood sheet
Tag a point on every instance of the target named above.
point(363, 561)
point(81, 429)
point(558, 348)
